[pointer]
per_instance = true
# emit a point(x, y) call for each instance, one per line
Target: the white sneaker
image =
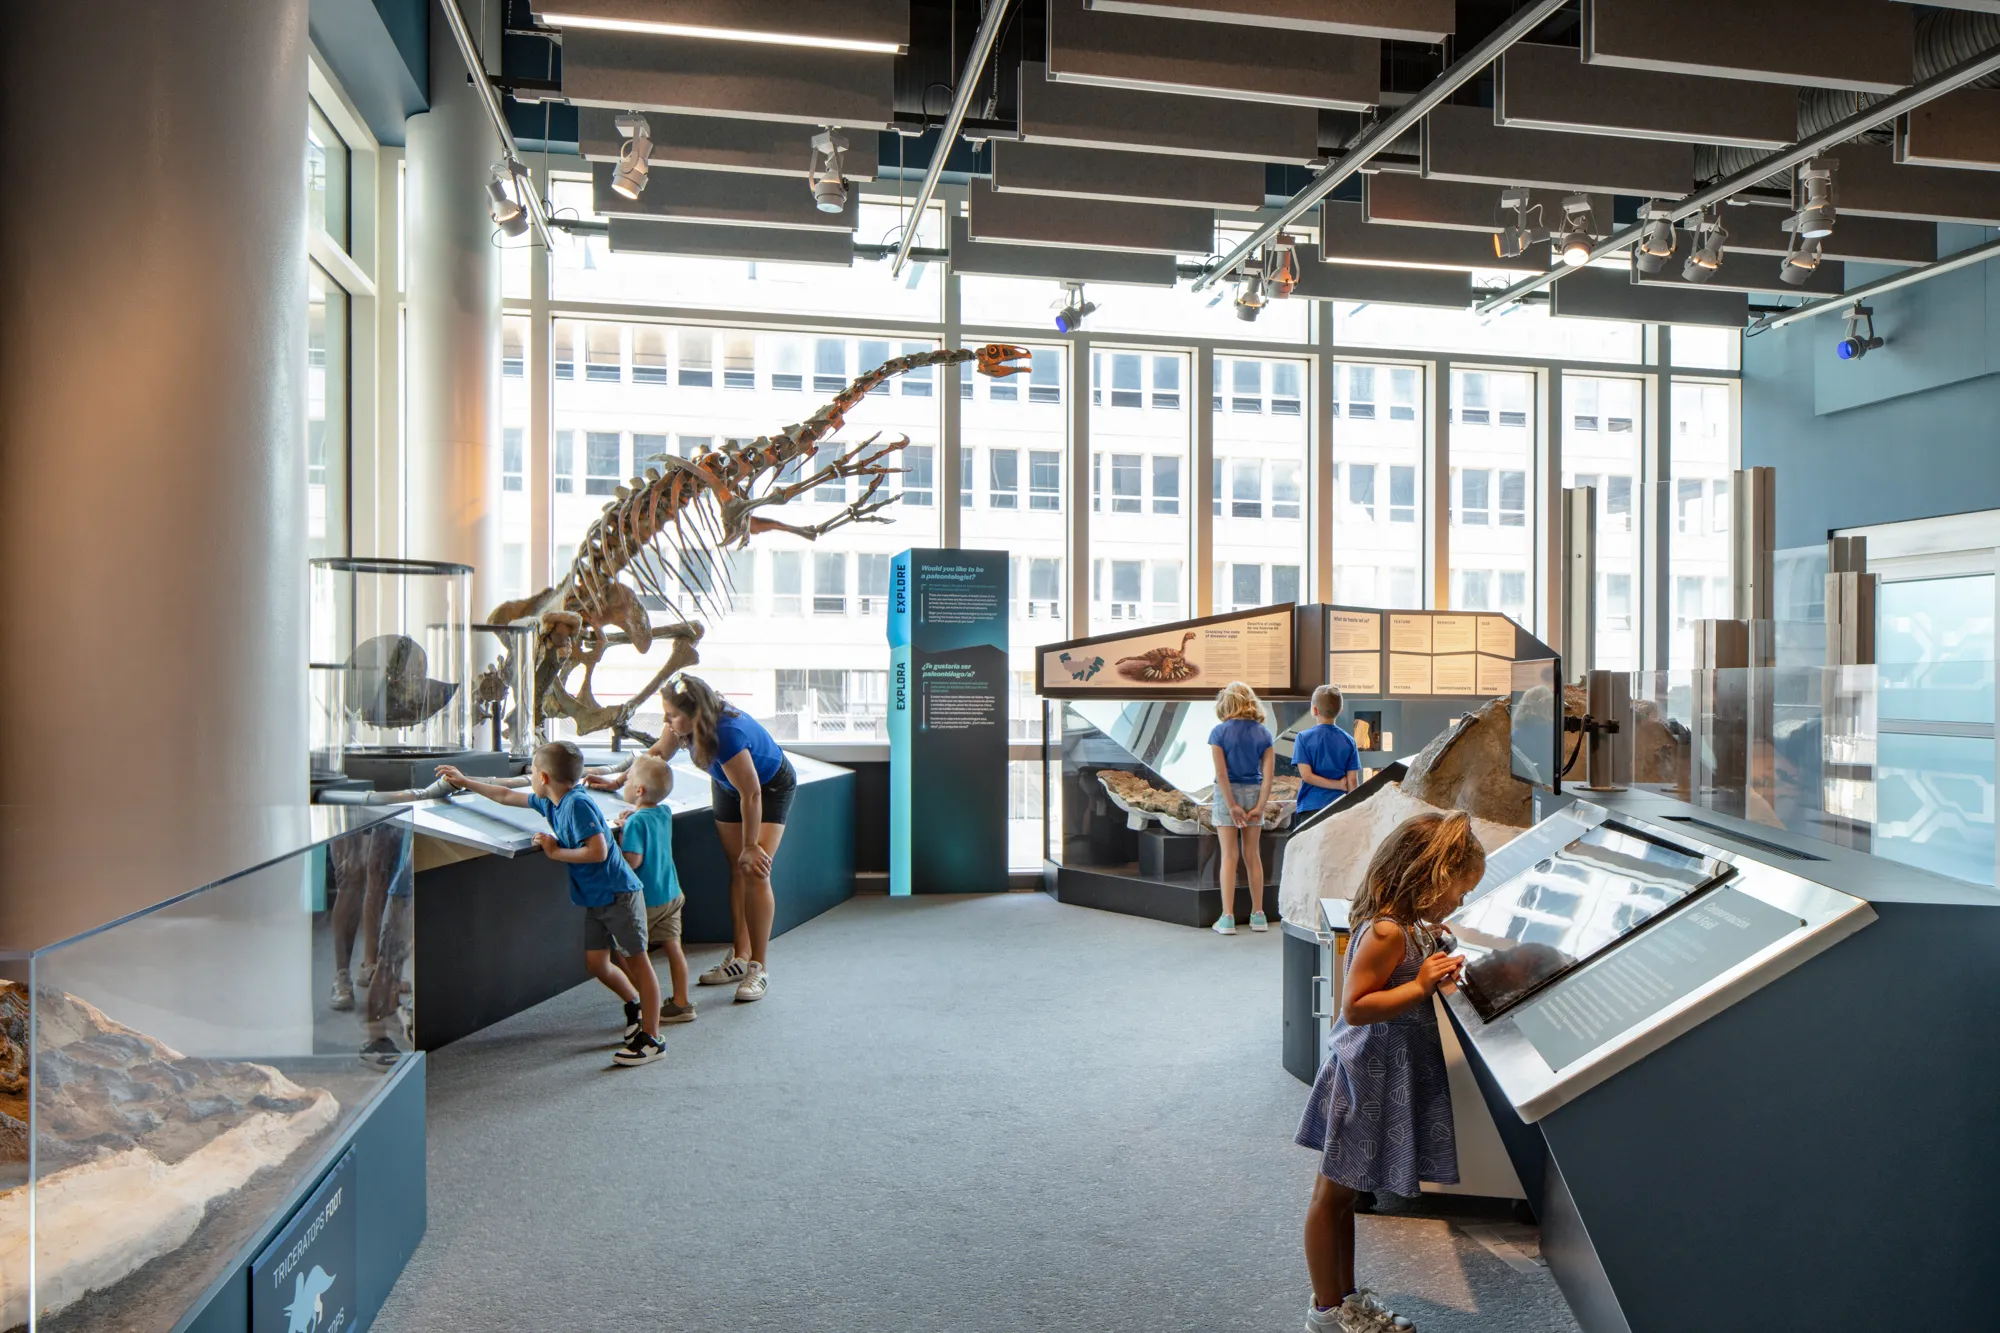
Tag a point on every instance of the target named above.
point(1324, 1321)
point(1259, 922)
point(753, 985)
point(364, 975)
point(343, 992)
point(1224, 925)
point(1365, 1313)
point(728, 972)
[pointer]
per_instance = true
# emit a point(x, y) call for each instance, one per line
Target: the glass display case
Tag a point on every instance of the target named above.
point(172, 1082)
point(399, 634)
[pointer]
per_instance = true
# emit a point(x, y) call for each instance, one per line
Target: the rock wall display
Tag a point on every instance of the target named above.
point(1328, 859)
point(135, 1142)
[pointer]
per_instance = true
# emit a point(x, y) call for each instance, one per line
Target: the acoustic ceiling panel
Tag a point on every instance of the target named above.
point(1345, 238)
point(1054, 263)
point(1757, 229)
point(1094, 224)
point(1161, 55)
point(701, 240)
point(876, 25)
point(1756, 274)
point(1462, 143)
point(1602, 293)
point(1864, 45)
point(1140, 178)
point(739, 79)
point(1960, 129)
point(1549, 88)
point(723, 197)
point(1427, 21)
point(1871, 183)
point(1412, 201)
point(1374, 284)
point(1077, 116)
point(719, 143)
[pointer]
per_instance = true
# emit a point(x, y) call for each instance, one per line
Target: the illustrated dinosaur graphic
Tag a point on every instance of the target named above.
point(666, 532)
point(307, 1308)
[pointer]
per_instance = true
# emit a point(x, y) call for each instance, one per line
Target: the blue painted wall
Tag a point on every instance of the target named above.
point(1910, 431)
point(380, 52)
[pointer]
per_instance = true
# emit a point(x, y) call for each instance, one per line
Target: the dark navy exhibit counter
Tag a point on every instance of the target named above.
point(495, 930)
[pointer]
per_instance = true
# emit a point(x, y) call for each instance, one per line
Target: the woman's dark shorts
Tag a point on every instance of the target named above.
point(778, 793)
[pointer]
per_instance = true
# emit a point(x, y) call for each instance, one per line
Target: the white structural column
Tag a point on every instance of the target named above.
point(152, 409)
point(453, 394)
point(1201, 488)
point(1437, 490)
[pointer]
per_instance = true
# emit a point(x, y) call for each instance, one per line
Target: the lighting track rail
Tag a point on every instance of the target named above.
point(1950, 80)
point(1978, 254)
point(475, 70)
point(1385, 132)
point(961, 102)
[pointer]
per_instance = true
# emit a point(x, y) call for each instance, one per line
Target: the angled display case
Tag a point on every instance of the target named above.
point(178, 1080)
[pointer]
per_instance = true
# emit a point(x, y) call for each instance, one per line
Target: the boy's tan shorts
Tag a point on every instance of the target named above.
point(664, 923)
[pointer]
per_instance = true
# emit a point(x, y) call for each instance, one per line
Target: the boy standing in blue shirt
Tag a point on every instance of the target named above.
point(599, 882)
point(646, 838)
point(1329, 764)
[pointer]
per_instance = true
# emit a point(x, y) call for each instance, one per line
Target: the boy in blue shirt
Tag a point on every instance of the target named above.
point(646, 838)
point(599, 882)
point(1328, 763)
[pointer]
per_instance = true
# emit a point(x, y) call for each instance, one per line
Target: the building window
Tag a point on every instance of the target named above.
point(874, 589)
point(1127, 485)
point(1127, 577)
point(692, 446)
point(1044, 588)
point(1473, 408)
point(1475, 501)
point(697, 353)
point(1687, 505)
point(565, 462)
point(1167, 382)
point(917, 383)
point(1166, 589)
point(1286, 400)
point(1044, 479)
point(1285, 583)
point(514, 348)
point(1514, 593)
point(601, 473)
point(1719, 516)
point(917, 490)
point(787, 582)
point(1246, 490)
point(512, 462)
point(1125, 390)
point(1513, 498)
point(1003, 478)
point(965, 475)
point(1361, 489)
point(1402, 494)
point(1584, 416)
point(1045, 375)
point(1403, 393)
point(1286, 496)
point(1475, 590)
point(649, 354)
point(1246, 586)
point(1616, 609)
point(565, 349)
point(739, 361)
point(874, 352)
point(1166, 485)
point(829, 365)
point(646, 450)
point(1618, 503)
point(600, 353)
point(1361, 393)
point(788, 370)
point(1246, 386)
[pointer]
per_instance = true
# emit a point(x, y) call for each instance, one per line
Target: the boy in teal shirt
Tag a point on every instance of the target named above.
point(646, 836)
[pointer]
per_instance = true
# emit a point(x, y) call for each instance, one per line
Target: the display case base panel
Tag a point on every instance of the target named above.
point(1189, 898)
point(495, 935)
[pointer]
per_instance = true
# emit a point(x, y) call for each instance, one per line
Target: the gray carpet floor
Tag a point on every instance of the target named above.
point(973, 1115)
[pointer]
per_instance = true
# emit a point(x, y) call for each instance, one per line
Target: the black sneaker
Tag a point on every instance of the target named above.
point(632, 1028)
point(641, 1050)
point(381, 1051)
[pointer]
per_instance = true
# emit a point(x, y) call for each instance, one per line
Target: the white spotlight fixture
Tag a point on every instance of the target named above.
point(1860, 339)
point(1707, 256)
point(1250, 295)
point(1657, 241)
point(1280, 263)
point(829, 189)
point(1578, 219)
point(1800, 262)
point(1512, 241)
point(504, 192)
point(1815, 217)
point(630, 177)
point(1070, 317)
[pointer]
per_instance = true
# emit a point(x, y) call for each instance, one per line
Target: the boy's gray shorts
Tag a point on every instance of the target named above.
point(619, 926)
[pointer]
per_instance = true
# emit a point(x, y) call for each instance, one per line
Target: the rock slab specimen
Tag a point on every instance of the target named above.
point(135, 1141)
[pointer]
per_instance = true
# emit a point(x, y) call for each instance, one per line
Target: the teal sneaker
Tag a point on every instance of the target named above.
point(1258, 921)
point(1224, 925)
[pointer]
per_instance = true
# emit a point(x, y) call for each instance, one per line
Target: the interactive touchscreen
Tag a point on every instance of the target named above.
point(1568, 908)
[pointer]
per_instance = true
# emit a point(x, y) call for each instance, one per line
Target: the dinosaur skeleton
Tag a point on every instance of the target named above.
point(667, 530)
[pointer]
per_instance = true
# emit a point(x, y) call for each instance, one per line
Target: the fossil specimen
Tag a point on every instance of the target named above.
point(1161, 664)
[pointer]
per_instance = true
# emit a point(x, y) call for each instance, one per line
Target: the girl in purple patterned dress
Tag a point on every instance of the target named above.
point(1380, 1110)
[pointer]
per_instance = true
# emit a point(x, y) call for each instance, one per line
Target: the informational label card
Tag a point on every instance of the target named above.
point(1409, 674)
point(1358, 675)
point(1354, 631)
point(305, 1277)
point(1661, 966)
point(1455, 673)
point(1255, 648)
point(1497, 636)
point(1409, 633)
point(1454, 634)
point(1496, 676)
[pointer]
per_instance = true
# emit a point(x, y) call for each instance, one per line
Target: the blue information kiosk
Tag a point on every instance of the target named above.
point(948, 722)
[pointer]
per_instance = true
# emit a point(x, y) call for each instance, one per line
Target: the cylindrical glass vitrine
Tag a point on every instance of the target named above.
point(399, 634)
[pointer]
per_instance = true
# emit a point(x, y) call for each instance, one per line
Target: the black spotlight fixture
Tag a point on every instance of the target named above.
point(1072, 313)
point(1860, 339)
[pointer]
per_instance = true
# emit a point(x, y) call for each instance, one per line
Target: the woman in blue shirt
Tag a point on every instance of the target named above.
point(1245, 764)
point(751, 784)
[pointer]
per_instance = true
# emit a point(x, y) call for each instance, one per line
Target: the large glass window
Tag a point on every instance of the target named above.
point(1378, 454)
point(606, 427)
point(1698, 546)
point(327, 436)
point(1492, 458)
point(328, 165)
point(1603, 447)
point(1139, 516)
point(1260, 458)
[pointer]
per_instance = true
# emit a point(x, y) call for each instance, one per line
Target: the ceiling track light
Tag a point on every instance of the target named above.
point(1814, 193)
point(1708, 255)
point(506, 189)
point(630, 177)
point(1801, 261)
point(823, 170)
point(1512, 241)
point(1280, 265)
point(1073, 311)
point(1860, 339)
point(1657, 241)
point(1579, 223)
point(1250, 294)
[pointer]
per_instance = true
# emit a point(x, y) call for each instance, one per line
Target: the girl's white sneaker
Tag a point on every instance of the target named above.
point(1224, 925)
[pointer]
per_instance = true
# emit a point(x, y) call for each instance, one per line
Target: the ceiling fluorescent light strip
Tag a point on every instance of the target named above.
point(824, 43)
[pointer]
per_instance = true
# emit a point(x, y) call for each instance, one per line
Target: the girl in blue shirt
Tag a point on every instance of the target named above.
point(1245, 764)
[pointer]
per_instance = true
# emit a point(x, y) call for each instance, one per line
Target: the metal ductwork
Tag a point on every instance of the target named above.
point(1948, 37)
